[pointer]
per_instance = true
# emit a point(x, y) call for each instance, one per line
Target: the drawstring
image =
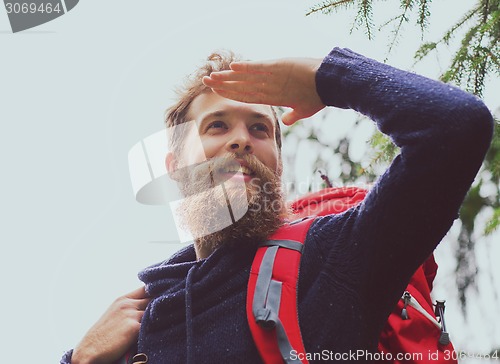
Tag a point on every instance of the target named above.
point(189, 316)
point(140, 359)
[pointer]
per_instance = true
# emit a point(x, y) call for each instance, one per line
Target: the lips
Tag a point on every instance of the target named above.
point(233, 169)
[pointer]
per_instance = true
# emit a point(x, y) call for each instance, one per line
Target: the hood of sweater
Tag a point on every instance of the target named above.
point(184, 289)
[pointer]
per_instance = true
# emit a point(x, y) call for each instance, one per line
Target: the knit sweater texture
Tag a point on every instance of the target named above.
point(355, 265)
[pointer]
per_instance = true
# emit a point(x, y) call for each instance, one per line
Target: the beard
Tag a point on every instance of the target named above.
point(220, 208)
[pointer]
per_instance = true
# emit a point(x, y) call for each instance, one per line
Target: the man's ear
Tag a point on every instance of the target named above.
point(171, 164)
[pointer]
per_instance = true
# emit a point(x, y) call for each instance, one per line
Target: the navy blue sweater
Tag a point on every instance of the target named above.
point(355, 265)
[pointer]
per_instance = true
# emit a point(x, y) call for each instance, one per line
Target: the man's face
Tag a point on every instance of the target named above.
point(226, 126)
point(229, 137)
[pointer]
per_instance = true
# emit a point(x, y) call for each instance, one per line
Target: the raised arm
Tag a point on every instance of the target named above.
point(443, 134)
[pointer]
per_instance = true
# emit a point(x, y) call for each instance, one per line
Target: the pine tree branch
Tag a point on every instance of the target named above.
point(329, 6)
point(426, 48)
point(407, 5)
point(366, 14)
point(423, 15)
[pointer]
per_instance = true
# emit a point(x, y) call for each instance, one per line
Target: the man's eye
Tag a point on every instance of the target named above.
point(260, 127)
point(217, 125)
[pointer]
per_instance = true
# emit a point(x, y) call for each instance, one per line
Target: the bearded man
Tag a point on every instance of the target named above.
point(354, 265)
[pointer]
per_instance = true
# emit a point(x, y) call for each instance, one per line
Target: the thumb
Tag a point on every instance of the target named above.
point(291, 117)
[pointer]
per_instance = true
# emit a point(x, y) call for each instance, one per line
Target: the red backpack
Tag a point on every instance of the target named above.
point(415, 332)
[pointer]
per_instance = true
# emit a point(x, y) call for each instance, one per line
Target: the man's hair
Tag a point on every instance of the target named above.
point(193, 87)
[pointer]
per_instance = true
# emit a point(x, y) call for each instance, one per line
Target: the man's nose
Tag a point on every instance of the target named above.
point(240, 140)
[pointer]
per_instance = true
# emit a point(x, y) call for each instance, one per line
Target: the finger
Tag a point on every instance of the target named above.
point(137, 316)
point(251, 66)
point(239, 76)
point(291, 117)
point(137, 293)
point(142, 304)
point(250, 98)
point(210, 82)
point(240, 87)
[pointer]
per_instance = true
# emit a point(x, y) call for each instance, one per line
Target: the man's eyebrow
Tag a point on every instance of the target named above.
point(214, 114)
point(224, 113)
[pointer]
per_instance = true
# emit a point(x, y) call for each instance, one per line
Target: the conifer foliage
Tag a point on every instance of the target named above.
point(476, 38)
point(478, 55)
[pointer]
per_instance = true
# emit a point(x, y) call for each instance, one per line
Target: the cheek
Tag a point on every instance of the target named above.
point(191, 154)
point(192, 150)
point(270, 157)
point(213, 146)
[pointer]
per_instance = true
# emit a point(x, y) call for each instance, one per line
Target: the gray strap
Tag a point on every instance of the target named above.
point(269, 315)
point(261, 313)
point(267, 298)
point(274, 296)
point(289, 244)
point(273, 306)
point(273, 303)
point(284, 345)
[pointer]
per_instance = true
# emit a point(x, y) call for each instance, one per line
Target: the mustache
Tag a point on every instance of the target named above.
point(238, 212)
point(215, 171)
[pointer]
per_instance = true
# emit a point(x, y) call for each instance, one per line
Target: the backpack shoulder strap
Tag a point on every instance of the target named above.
point(272, 295)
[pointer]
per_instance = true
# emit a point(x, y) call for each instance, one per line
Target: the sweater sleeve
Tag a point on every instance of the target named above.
point(443, 134)
point(66, 359)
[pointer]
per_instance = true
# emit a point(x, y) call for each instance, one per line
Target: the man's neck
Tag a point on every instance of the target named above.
point(202, 251)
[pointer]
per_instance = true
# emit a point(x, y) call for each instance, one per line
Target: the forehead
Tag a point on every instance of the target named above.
point(210, 104)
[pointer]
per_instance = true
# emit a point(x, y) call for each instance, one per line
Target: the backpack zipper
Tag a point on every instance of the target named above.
point(409, 300)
